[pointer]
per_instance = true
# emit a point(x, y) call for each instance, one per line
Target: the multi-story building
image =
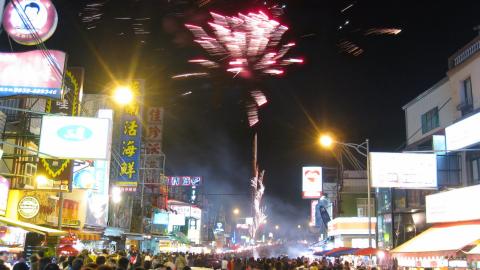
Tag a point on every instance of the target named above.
point(401, 212)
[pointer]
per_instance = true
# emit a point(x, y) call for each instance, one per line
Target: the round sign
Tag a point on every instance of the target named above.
point(30, 22)
point(28, 207)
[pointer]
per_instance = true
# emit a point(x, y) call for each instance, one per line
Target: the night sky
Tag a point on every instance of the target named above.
point(207, 133)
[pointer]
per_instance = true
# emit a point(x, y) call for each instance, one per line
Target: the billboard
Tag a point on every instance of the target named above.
point(184, 181)
point(463, 133)
point(30, 22)
point(160, 218)
point(75, 137)
point(32, 74)
point(187, 210)
point(403, 170)
point(58, 172)
point(130, 140)
point(454, 205)
point(311, 182)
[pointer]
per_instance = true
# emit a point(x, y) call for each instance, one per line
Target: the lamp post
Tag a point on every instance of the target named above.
point(363, 149)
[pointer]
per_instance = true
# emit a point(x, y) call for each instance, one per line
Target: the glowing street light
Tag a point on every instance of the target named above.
point(326, 141)
point(236, 211)
point(299, 226)
point(123, 95)
point(116, 195)
point(277, 227)
point(41, 180)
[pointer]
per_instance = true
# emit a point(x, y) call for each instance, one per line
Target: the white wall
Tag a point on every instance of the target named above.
point(439, 95)
point(470, 68)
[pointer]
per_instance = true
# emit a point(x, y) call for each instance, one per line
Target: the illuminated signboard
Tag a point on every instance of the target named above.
point(403, 170)
point(75, 137)
point(444, 206)
point(464, 133)
point(184, 181)
point(187, 210)
point(4, 189)
point(30, 22)
point(130, 140)
point(311, 182)
point(32, 74)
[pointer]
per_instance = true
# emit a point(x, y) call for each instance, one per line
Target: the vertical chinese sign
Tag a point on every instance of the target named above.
point(59, 172)
point(130, 140)
point(153, 157)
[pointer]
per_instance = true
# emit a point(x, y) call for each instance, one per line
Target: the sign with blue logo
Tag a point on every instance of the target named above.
point(69, 137)
point(130, 130)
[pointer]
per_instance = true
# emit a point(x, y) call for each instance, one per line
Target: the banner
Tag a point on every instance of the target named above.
point(4, 189)
point(130, 139)
point(32, 74)
point(59, 172)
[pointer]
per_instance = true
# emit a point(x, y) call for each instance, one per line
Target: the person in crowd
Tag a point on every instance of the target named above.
point(21, 266)
point(100, 260)
point(51, 266)
point(34, 263)
point(180, 262)
point(122, 263)
point(77, 264)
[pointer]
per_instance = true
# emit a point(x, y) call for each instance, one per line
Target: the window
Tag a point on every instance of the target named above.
point(448, 170)
point(430, 120)
point(475, 171)
point(362, 207)
point(466, 105)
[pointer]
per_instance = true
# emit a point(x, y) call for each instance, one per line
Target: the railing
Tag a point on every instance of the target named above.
point(463, 55)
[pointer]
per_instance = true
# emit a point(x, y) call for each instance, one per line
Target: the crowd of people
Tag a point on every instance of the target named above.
point(174, 261)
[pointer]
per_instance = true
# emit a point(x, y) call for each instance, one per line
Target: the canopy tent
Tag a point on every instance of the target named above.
point(367, 251)
point(32, 227)
point(440, 240)
point(340, 251)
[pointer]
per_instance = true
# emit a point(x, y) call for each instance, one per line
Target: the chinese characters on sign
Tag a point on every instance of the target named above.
point(130, 140)
point(153, 145)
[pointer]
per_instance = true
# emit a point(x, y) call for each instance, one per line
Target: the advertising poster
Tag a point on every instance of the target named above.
point(58, 173)
point(130, 140)
point(311, 182)
point(32, 74)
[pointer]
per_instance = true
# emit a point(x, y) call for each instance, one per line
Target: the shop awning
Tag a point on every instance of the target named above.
point(32, 227)
point(88, 235)
point(441, 240)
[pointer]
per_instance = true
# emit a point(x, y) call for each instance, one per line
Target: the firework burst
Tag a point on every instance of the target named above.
point(245, 45)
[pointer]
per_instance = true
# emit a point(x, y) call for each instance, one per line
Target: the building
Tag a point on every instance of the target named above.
point(435, 112)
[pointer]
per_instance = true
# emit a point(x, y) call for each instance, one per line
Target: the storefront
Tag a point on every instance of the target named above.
point(18, 236)
point(452, 241)
point(351, 232)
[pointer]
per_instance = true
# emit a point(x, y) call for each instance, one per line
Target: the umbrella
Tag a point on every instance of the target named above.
point(366, 251)
point(67, 250)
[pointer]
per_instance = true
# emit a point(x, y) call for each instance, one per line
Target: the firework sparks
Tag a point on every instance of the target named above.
point(187, 75)
point(383, 31)
point(244, 43)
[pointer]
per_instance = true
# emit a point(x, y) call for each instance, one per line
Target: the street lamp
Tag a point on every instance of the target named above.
point(123, 95)
point(277, 227)
point(299, 226)
point(327, 141)
point(236, 211)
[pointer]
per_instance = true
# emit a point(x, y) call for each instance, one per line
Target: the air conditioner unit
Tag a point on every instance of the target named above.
point(465, 106)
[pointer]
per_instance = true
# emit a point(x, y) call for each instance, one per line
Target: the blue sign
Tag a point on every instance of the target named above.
point(74, 133)
point(130, 140)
